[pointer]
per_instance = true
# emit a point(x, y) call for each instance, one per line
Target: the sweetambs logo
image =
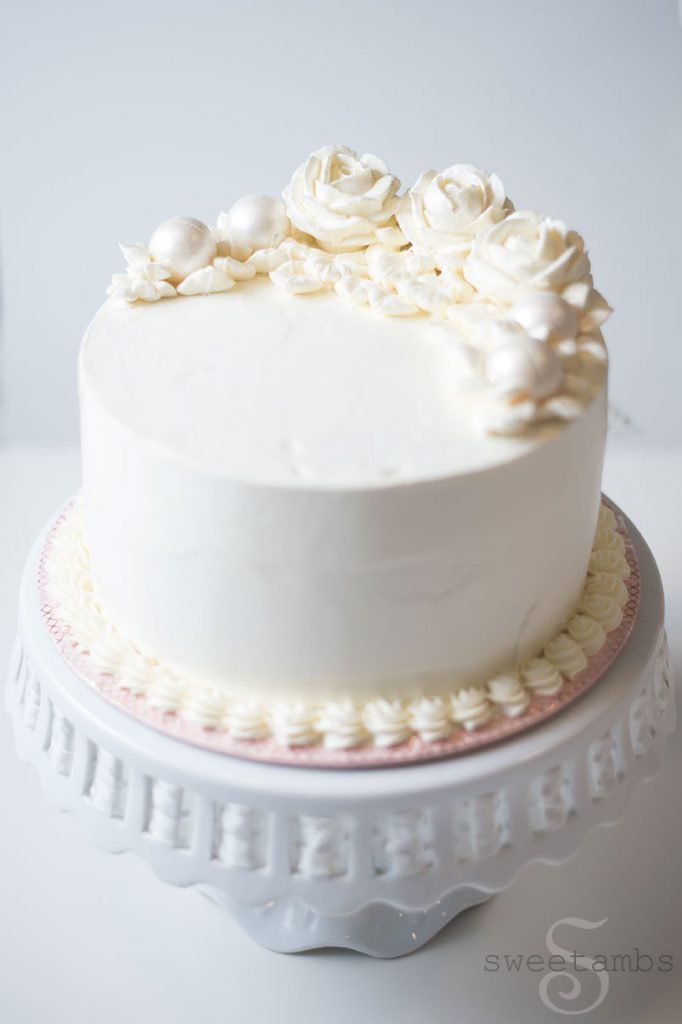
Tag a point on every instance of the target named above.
point(575, 983)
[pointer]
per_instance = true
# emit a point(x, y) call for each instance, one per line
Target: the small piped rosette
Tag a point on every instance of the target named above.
point(340, 734)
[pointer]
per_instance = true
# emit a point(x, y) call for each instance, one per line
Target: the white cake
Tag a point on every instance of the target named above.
point(349, 465)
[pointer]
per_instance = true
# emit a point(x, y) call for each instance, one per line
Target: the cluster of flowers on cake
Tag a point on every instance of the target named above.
point(514, 286)
point(337, 725)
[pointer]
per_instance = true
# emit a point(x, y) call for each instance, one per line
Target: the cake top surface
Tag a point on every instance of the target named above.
point(351, 334)
point(262, 386)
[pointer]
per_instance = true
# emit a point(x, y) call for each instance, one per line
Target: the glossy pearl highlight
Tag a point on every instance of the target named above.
point(546, 317)
point(254, 222)
point(524, 367)
point(184, 244)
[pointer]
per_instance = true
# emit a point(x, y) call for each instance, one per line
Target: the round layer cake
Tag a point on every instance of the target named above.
point(288, 496)
point(354, 457)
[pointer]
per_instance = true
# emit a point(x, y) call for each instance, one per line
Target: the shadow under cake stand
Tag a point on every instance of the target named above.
point(376, 859)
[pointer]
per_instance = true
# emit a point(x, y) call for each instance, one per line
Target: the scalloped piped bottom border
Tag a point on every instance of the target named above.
point(411, 751)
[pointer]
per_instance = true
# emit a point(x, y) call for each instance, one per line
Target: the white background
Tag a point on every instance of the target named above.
point(119, 115)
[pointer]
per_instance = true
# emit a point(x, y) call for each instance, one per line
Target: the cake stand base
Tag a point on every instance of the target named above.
point(377, 929)
point(376, 860)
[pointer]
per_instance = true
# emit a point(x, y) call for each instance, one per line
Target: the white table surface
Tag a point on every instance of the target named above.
point(86, 937)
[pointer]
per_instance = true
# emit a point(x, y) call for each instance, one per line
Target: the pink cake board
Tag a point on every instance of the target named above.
point(316, 755)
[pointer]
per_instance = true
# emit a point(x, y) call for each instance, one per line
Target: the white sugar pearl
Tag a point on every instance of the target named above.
point(546, 317)
point(503, 332)
point(185, 244)
point(255, 222)
point(524, 366)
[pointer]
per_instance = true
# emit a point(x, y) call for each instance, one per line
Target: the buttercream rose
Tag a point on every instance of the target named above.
point(525, 253)
point(342, 200)
point(443, 212)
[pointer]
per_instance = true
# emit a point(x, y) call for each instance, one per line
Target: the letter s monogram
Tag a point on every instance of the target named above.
point(585, 962)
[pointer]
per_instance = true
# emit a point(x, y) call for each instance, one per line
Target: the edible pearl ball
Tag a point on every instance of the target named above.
point(528, 367)
point(546, 317)
point(255, 222)
point(185, 244)
point(496, 332)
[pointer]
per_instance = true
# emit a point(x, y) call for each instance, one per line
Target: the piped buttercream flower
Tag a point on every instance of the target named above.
point(526, 253)
point(444, 211)
point(343, 201)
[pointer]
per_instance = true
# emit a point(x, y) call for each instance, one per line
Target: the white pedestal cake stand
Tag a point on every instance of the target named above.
point(377, 860)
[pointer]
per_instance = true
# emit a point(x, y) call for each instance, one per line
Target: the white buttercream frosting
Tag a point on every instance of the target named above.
point(508, 694)
point(293, 725)
point(207, 280)
point(264, 261)
point(166, 691)
point(247, 720)
point(606, 517)
point(477, 322)
point(523, 253)
point(607, 539)
point(603, 609)
point(612, 562)
point(204, 705)
point(136, 673)
point(470, 707)
point(566, 654)
point(444, 211)
point(452, 240)
point(292, 276)
point(145, 280)
point(340, 199)
point(387, 721)
point(430, 718)
point(586, 632)
point(341, 725)
point(338, 724)
point(609, 585)
point(105, 652)
point(541, 677)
